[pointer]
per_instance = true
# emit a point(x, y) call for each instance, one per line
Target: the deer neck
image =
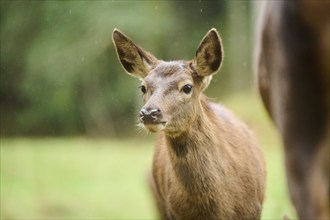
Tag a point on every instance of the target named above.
point(191, 151)
point(198, 134)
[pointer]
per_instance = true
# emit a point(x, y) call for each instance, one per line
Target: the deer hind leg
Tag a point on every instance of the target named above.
point(297, 178)
point(308, 181)
point(319, 182)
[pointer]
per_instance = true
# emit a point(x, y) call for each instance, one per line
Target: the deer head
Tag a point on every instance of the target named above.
point(171, 90)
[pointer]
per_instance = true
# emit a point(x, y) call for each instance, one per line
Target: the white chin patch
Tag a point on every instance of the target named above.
point(154, 127)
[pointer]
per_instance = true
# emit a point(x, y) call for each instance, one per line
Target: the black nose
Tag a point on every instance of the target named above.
point(149, 116)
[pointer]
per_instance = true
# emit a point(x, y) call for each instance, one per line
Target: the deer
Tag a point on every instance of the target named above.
point(207, 164)
point(292, 69)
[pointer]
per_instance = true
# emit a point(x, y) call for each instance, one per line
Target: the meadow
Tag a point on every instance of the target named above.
point(98, 178)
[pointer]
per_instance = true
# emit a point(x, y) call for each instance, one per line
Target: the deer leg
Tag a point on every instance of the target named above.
point(157, 198)
point(319, 182)
point(308, 181)
point(297, 178)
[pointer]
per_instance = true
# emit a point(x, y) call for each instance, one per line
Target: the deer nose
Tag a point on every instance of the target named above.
point(149, 116)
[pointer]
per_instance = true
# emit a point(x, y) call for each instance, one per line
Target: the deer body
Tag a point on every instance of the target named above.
point(293, 72)
point(207, 164)
point(202, 174)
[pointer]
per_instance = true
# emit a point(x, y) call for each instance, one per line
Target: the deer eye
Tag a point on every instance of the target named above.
point(143, 89)
point(187, 88)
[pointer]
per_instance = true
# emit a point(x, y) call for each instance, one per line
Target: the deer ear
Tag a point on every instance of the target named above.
point(209, 54)
point(135, 60)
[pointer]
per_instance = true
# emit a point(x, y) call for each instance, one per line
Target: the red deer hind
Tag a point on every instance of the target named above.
point(293, 72)
point(207, 164)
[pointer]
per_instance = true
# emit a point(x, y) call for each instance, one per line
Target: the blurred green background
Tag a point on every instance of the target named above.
point(69, 144)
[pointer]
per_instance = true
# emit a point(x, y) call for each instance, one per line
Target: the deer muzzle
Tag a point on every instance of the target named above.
point(150, 116)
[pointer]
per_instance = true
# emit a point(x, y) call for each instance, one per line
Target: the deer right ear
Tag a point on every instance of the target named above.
point(135, 60)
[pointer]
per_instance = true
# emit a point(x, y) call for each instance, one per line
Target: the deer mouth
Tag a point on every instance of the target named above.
point(155, 127)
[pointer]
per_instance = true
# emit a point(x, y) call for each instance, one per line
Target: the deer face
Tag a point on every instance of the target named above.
point(171, 90)
point(169, 93)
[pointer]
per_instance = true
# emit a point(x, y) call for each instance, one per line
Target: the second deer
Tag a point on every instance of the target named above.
point(207, 164)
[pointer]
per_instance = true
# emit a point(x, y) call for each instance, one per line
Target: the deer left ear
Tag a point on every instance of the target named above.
point(209, 54)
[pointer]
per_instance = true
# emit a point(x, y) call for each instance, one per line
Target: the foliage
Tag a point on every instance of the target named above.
point(60, 74)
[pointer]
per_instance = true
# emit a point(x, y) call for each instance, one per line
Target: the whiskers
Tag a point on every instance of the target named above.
point(141, 130)
point(140, 127)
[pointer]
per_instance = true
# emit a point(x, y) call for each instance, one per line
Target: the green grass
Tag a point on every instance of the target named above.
point(75, 178)
point(80, 178)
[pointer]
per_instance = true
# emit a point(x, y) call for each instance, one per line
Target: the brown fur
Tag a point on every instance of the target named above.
point(207, 164)
point(293, 72)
